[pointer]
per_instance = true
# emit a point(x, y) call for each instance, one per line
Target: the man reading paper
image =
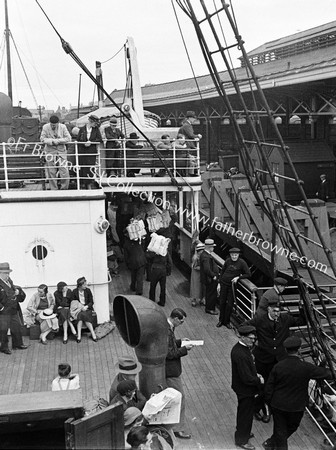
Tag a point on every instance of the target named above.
point(173, 363)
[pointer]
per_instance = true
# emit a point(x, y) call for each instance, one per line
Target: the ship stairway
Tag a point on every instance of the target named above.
point(217, 32)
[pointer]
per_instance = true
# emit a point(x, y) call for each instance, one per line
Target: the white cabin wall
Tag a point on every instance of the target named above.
point(66, 228)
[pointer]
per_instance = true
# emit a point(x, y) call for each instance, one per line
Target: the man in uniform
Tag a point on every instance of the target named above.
point(10, 311)
point(287, 393)
point(246, 383)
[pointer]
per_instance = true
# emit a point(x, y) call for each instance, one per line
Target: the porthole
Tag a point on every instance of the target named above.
point(39, 252)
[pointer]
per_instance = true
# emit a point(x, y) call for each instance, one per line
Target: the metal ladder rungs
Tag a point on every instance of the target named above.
point(209, 16)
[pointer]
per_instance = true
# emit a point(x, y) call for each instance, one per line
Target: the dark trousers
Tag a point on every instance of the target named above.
point(158, 276)
point(14, 323)
point(211, 295)
point(225, 303)
point(244, 419)
point(285, 423)
point(137, 278)
point(264, 369)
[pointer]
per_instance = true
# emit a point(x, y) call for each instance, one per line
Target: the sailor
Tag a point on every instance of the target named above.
point(287, 392)
point(272, 294)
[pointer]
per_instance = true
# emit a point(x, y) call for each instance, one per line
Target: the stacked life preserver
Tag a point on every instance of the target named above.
point(136, 229)
point(158, 244)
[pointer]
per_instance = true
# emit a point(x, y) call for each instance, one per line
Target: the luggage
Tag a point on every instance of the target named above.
point(158, 244)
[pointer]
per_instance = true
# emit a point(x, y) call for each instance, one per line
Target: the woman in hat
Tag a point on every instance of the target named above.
point(127, 368)
point(196, 287)
point(132, 155)
point(90, 135)
point(113, 147)
point(63, 297)
point(65, 380)
point(81, 308)
point(41, 306)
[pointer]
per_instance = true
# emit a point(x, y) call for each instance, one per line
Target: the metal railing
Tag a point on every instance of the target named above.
point(24, 162)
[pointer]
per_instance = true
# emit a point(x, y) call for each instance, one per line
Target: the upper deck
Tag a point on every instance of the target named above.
point(23, 165)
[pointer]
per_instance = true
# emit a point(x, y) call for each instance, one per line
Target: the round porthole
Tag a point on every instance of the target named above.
point(39, 252)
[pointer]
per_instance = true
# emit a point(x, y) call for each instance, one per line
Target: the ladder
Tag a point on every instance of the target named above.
point(213, 22)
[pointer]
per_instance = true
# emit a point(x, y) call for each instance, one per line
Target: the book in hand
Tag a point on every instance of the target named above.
point(193, 343)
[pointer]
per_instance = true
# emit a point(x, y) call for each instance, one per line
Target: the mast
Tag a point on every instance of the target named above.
point(9, 68)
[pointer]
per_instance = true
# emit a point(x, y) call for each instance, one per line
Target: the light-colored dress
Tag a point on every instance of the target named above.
point(196, 288)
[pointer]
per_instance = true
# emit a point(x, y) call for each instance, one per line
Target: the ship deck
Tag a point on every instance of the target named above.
point(211, 403)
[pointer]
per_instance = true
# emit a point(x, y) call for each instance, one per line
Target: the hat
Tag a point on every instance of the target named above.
point(125, 386)
point(191, 114)
point(4, 267)
point(292, 342)
point(273, 301)
point(200, 246)
point(128, 365)
point(323, 175)
point(134, 136)
point(113, 120)
point(53, 119)
point(209, 242)
point(244, 330)
point(280, 281)
point(94, 118)
point(234, 250)
point(47, 314)
point(131, 414)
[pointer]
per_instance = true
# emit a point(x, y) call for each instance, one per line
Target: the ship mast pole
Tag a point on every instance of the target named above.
point(79, 94)
point(9, 69)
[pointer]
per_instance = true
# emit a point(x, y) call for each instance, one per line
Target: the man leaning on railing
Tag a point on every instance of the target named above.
point(55, 136)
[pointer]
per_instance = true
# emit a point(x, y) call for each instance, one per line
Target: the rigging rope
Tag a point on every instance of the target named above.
point(68, 49)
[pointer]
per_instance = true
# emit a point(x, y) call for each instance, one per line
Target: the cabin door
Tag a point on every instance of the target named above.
point(99, 431)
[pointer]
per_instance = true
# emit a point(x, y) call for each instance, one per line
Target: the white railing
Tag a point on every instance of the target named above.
point(24, 162)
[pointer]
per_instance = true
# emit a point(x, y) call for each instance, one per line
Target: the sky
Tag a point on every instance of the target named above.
point(97, 30)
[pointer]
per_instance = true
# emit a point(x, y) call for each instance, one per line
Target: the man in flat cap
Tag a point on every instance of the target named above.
point(272, 294)
point(209, 276)
point(113, 134)
point(188, 131)
point(234, 269)
point(246, 383)
point(272, 330)
point(287, 393)
point(55, 136)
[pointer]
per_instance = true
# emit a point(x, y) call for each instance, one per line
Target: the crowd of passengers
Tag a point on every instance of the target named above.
point(94, 137)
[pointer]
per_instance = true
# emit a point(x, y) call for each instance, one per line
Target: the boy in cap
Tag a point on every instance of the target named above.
point(246, 383)
point(272, 294)
point(234, 269)
point(287, 392)
point(323, 189)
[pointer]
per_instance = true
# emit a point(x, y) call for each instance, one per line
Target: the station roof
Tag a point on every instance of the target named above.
point(304, 57)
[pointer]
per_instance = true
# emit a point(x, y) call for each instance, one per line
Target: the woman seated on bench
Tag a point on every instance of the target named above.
point(81, 308)
point(63, 297)
point(41, 306)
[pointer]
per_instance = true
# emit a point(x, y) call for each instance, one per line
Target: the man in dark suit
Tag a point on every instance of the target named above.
point(188, 131)
point(209, 276)
point(10, 312)
point(173, 363)
point(279, 285)
point(246, 383)
point(287, 393)
point(323, 189)
point(272, 329)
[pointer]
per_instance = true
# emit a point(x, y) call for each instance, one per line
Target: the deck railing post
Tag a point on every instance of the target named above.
point(5, 165)
point(124, 156)
point(174, 158)
point(77, 165)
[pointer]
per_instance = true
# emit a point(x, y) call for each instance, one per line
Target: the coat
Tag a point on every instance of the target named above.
point(209, 268)
point(245, 381)
point(174, 355)
point(9, 302)
point(48, 136)
point(188, 131)
point(287, 385)
point(87, 295)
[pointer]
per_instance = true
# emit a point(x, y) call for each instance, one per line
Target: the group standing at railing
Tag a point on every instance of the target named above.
point(100, 152)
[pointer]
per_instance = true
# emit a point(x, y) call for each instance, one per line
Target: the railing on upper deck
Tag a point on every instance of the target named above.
point(24, 162)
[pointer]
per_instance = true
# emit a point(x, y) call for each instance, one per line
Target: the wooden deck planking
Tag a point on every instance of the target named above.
point(210, 401)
